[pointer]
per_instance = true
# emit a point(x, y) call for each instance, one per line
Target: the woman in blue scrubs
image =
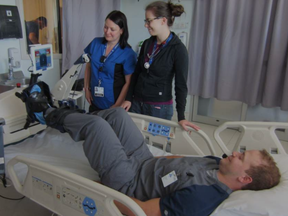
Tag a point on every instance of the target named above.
point(108, 75)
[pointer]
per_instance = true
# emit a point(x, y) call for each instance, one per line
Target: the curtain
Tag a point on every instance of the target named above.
point(83, 20)
point(275, 91)
point(238, 51)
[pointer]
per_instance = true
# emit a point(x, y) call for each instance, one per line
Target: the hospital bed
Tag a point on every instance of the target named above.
point(42, 169)
point(52, 170)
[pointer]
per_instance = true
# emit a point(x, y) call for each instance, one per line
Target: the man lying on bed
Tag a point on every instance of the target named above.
point(171, 185)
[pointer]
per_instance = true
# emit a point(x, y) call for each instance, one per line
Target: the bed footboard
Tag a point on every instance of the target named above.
point(66, 193)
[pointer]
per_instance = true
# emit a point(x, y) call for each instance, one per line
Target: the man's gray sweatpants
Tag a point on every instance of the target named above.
point(113, 145)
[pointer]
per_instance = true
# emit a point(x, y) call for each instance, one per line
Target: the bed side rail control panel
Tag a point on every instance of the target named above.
point(79, 202)
point(158, 129)
point(66, 193)
point(67, 196)
point(169, 136)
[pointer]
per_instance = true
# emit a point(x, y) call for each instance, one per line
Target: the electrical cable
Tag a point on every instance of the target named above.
point(5, 185)
point(31, 71)
point(76, 80)
point(4, 181)
point(13, 199)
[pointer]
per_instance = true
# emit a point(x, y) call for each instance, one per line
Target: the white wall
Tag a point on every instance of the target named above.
point(50, 77)
point(135, 13)
point(7, 43)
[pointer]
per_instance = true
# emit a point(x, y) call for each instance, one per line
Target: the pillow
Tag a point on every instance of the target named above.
point(272, 202)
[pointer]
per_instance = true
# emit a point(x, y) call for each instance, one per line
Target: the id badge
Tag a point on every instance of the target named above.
point(169, 178)
point(99, 91)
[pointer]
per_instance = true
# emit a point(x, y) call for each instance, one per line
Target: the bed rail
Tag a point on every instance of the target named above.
point(170, 136)
point(66, 193)
point(253, 135)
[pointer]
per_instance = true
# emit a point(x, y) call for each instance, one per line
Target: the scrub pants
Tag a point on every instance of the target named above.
point(113, 144)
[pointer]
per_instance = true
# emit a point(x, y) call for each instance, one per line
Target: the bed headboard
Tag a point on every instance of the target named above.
point(253, 135)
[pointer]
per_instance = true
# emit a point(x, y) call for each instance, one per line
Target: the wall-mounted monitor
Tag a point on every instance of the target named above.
point(42, 57)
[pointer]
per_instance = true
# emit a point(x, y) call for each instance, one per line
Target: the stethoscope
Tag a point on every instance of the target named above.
point(156, 50)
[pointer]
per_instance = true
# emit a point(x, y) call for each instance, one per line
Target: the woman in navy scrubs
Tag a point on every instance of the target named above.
point(108, 75)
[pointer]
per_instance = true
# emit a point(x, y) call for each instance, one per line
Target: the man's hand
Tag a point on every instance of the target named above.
point(184, 123)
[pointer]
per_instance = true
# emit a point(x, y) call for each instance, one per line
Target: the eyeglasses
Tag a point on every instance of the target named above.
point(148, 21)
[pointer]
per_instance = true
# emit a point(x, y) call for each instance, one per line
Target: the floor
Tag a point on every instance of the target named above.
point(26, 207)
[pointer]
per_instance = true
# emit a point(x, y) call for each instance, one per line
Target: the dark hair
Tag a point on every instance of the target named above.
point(120, 19)
point(168, 10)
point(265, 175)
point(43, 20)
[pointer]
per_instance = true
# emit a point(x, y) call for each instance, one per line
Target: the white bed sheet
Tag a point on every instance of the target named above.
point(57, 149)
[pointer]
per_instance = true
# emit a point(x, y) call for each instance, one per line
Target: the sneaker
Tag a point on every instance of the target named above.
point(39, 103)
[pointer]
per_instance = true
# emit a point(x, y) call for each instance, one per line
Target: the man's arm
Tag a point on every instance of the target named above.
point(33, 38)
point(150, 207)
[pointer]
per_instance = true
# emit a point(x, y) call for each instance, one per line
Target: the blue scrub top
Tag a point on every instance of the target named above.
point(120, 63)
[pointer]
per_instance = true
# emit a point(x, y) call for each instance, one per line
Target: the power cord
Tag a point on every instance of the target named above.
point(13, 199)
point(29, 70)
point(76, 80)
point(4, 182)
point(7, 181)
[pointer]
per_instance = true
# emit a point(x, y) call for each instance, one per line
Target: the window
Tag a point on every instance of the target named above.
point(41, 23)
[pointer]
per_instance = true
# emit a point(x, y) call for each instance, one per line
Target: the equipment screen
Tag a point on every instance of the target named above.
point(42, 57)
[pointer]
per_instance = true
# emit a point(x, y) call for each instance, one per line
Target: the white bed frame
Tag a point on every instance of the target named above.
point(177, 141)
point(66, 193)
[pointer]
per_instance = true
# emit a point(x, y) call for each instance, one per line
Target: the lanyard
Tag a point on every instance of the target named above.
point(154, 53)
point(110, 53)
point(103, 60)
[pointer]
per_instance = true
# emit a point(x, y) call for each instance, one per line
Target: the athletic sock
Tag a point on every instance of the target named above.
point(39, 115)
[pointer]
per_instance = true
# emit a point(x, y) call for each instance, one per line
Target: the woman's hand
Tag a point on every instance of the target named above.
point(88, 96)
point(184, 123)
point(126, 105)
